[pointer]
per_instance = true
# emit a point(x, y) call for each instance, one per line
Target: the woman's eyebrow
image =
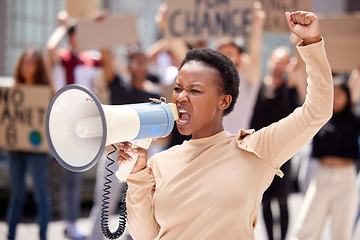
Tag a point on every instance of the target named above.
point(176, 83)
point(196, 85)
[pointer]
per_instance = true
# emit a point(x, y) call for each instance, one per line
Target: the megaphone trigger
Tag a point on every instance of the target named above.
point(125, 169)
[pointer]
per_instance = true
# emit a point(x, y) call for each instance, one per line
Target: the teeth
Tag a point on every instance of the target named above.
point(182, 111)
point(182, 121)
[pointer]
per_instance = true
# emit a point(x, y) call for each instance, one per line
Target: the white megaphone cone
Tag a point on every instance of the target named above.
point(78, 127)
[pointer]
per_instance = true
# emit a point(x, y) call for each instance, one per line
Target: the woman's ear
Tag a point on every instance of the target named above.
point(225, 101)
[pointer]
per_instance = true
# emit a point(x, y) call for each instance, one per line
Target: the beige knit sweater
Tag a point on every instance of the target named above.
point(211, 188)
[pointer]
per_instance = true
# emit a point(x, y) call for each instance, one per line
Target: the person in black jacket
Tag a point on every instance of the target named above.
point(333, 191)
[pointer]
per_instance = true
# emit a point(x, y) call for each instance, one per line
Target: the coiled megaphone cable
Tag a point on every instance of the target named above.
point(105, 202)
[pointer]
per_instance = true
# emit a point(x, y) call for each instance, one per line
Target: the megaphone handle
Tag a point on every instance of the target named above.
point(125, 168)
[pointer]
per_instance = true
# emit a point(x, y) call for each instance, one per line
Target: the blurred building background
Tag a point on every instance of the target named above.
point(29, 23)
point(25, 23)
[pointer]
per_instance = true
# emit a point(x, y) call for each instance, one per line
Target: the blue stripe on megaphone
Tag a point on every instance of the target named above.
point(156, 120)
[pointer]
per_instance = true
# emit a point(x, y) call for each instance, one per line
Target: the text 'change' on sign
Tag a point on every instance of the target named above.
point(202, 19)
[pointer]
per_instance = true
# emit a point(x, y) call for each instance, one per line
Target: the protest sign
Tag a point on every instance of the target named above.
point(82, 9)
point(109, 32)
point(22, 118)
point(275, 20)
point(342, 40)
point(202, 19)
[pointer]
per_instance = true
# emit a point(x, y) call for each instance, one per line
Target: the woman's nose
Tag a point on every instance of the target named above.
point(182, 96)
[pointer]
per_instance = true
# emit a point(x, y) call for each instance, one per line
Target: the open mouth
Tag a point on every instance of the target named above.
point(184, 117)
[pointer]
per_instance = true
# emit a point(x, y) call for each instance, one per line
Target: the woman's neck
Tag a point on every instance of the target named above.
point(210, 130)
point(208, 134)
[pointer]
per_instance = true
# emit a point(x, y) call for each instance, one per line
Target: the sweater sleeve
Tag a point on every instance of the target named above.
point(281, 140)
point(139, 201)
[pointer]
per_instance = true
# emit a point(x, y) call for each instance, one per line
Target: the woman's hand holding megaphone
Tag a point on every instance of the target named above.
point(123, 156)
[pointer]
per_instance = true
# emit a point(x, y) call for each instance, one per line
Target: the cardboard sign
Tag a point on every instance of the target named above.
point(82, 9)
point(342, 41)
point(110, 32)
point(275, 20)
point(22, 118)
point(202, 19)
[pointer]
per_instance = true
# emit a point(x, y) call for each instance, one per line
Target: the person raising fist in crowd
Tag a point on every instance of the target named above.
point(211, 186)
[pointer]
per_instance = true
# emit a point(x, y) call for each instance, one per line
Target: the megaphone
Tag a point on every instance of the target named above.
point(78, 127)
